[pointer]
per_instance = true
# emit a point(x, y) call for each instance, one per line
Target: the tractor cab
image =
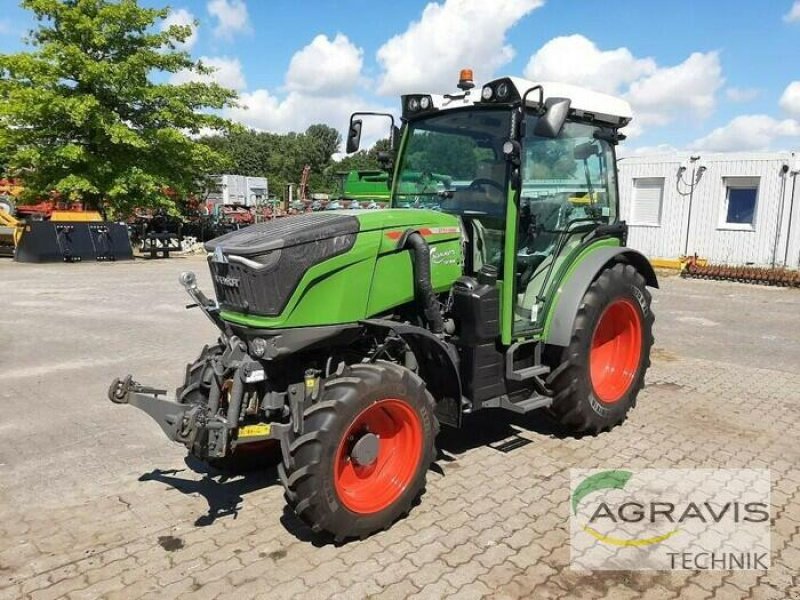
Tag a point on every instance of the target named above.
point(530, 169)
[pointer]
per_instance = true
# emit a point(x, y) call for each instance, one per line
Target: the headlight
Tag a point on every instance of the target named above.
point(502, 91)
point(258, 346)
point(425, 102)
point(413, 104)
point(487, 92)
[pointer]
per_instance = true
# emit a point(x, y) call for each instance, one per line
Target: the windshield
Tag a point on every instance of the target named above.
point(453, 162)
point(567, 180)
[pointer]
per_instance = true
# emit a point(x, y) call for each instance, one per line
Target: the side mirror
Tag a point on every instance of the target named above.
point(395, 138)
point(585, 151)
point(354, 136)
point(551, 122)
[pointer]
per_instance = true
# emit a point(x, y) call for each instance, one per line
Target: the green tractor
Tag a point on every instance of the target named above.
point(348, 337)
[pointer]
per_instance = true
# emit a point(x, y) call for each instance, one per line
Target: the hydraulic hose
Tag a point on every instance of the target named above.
point(421, 259)
point(235, 402)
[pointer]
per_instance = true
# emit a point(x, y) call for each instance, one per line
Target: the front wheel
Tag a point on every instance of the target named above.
point(364, 453)
point(597, 377)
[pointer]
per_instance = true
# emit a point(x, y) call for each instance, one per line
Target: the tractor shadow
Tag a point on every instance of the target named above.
point(223, 490)
point(497, 429)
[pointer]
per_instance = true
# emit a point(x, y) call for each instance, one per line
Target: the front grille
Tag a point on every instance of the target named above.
point(267, 289)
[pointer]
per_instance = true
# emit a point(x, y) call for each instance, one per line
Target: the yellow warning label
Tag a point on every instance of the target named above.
point(254, 430)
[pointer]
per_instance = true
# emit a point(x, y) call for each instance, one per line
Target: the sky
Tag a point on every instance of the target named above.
point(701, 75)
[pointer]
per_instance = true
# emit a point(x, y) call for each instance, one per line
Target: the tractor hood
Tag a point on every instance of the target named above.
point(262, 238)
point(256, 270)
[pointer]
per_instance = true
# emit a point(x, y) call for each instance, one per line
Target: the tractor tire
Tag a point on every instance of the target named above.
point(597, 377)
point(195, 390)
point(364, 453)
point(197, 382)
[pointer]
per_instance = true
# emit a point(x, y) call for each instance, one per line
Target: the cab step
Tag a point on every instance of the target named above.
point(521, 407)
point(525, 373)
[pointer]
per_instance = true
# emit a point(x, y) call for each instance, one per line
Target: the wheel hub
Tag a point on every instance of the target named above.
point(365, 450)
point(378, 456)
point(615, 350)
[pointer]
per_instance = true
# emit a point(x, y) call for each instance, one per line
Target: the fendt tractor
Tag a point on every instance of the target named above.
point(348, 337)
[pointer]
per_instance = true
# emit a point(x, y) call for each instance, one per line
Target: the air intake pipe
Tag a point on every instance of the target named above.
point(421, 259)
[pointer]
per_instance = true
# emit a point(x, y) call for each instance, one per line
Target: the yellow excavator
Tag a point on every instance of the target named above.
point(10, 227)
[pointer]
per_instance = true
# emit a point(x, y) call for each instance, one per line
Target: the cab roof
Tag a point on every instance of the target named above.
point(585, 103)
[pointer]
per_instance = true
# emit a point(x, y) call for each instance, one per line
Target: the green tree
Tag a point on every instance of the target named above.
point(80, 112)
point(364, 160)
point(280, 158)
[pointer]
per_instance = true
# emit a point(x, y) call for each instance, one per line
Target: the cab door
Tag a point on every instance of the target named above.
point(568, 189)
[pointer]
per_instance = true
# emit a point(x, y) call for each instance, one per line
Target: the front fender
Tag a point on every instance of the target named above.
point(570, 292)
point(438, 363)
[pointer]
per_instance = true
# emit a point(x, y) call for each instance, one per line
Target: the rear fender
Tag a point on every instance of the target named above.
point(570, 293)
point(438, 366)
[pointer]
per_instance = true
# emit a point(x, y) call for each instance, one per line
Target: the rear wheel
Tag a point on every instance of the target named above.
point(364, 453)
point(597, 377)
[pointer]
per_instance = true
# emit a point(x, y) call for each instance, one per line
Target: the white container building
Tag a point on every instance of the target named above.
point(239, 189)
point(733, 209)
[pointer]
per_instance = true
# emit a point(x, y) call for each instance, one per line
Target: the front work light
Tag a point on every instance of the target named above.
point(258, 346)
point(502, 90)
point(487, 92)
point(415, 105)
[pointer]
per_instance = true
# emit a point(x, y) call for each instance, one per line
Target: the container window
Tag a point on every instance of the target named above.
point(648, 194)
point(741, 199)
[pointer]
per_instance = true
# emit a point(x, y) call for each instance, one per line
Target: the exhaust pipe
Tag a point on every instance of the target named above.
point(421, 259)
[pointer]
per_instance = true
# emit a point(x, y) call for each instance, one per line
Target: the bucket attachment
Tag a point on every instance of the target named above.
point(73, 241)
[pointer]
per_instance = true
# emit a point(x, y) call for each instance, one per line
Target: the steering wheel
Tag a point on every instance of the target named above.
point(481, 181)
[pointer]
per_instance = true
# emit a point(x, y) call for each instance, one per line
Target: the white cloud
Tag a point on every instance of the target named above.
point(658, 94)
point(232, 17)
point(261, 109)
point(793, 15)
point(688, 88)
point(790, 99)
point(625, 150)
point(321, 84)
point(576, 59)
point(749, 132)
point(228, 73)
point(448, 37)
point(325, 67)
point(5, 27)
point(182, 17)
point(735, 94)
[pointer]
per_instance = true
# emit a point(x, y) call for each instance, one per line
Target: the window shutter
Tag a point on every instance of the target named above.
point(647, 196)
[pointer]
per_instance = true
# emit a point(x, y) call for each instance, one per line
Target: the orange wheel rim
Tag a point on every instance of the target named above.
point(615, 351)
point(384, 473)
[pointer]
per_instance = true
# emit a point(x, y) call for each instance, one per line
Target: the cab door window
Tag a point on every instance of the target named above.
point(568, 187)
